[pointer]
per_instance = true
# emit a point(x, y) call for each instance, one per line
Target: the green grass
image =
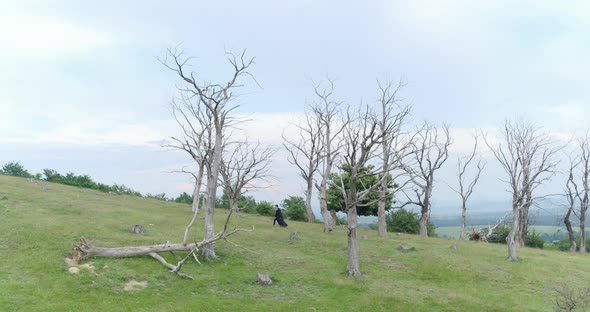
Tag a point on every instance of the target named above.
point(38, 228)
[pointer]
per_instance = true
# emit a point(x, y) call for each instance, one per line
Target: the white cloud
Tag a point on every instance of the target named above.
point(40, 38)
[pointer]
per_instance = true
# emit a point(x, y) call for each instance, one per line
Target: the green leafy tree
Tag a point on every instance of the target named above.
point(406, 221)
point(14, 168)
point(184, 198)
point(295, 206)
point(247, 204)
point(369, 206)
point(223, 201)
point(265, 208)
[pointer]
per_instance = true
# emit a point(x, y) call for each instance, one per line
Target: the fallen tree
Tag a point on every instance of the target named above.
point(84, 250)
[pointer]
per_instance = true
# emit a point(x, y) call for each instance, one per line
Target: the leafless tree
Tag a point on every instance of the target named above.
point(581, 189)
point(196, 141)
point(216, 99)
point(431, 150)
point(393, 116)
point(242, 166)
point(305, 154)
point(465, 189)
point(327, 111)
point(527, 155)
point(361, 139)
point(571, 190)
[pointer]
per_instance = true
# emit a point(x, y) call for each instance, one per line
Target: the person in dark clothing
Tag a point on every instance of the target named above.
point(279, 218)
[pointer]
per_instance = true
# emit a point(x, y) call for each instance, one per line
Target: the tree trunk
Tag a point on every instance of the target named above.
point(511, 240)
point(523, 225)
point(353, 246)
point(196, 202)
point(84, 251)
point(381, 219)
point(582, 231)
point(324, 207)
point(570, 231)
point(308, 194)
point(424, 213)
point(208, 251)
point(463, 219)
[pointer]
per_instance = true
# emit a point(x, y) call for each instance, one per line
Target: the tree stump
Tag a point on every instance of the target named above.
point(454, 247)
point(263, 279)
point(364, 237)
point(137, 229)
point(293, 236)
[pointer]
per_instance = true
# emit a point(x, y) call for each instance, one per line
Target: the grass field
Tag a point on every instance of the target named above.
point(38, 227)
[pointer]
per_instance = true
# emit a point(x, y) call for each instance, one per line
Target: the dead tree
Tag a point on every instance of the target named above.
point(216, 99)
point(571, 189)
point(581, 189)
point(84, 250)
point(327, 111)
point(527, 156)
point(196, 141)
point(465, 189)
point(361, 139)
point(242, 166)
point(305, 154)
point(431, 150)
point(393, 117)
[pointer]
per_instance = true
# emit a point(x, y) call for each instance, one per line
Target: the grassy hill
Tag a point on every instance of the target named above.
point(40, 222)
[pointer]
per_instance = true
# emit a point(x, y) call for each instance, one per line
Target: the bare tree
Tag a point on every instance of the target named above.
point(393, 117)
point(431, 150)
point(305, 154)
point(581, 189)
point(245, 164)
point(196, 141)
point(527, 156)
point(465, 189)
point(326, 111)
point(361, 140)
point(216, 98)
point(571, 189)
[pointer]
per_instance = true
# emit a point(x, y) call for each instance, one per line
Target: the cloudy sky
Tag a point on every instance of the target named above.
point(82, 90)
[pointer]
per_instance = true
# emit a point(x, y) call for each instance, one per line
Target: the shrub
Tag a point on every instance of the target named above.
point(247, 204)
point(534, 240)
point(295, 206)
point(14, 168)
point(265, 208)
point(406, 221)
point(564, 244)
point(184, 198)
point(499, 234)
point(341, 220)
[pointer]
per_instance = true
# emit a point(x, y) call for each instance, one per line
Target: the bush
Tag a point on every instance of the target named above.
point(247, 204)
point(265, 208)
point(564, 244)
point(15, 169)
point(534, 240)
point(499, 235)
point(341, 220)
point(295, 206)
point(184, 198)
point(406, 221)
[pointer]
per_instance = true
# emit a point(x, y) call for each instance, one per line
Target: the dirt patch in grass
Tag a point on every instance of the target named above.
point(134, 285)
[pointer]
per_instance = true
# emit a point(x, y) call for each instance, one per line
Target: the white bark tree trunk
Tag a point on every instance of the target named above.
point(511, 240)
point(308, 193)
point(353, 244)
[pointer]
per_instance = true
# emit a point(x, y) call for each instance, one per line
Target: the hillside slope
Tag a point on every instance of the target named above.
point(40, 222)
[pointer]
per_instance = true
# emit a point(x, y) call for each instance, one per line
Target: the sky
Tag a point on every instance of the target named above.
point(82, 89)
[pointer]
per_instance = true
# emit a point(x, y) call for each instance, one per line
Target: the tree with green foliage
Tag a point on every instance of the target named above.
point(295, 208)
point(265, 208)
point(368, 206)
point(15, 169)
point(406, 221)
point(184, 198)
